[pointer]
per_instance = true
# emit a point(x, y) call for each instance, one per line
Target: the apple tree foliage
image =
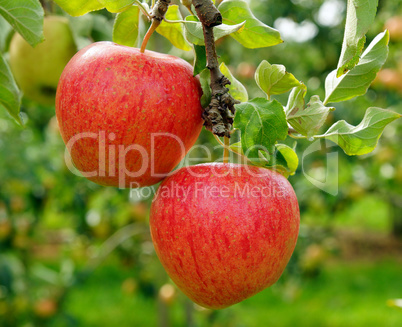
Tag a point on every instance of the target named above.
point(261, 123)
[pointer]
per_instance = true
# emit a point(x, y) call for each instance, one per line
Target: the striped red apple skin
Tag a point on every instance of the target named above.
point(130, 117)
point(224, 232)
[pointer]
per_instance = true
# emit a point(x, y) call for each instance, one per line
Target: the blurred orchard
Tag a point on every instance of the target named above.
point(73, 253)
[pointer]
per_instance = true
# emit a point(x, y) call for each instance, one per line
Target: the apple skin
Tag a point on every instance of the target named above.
point(37, 70)
point(218, 245)
point(129, 96)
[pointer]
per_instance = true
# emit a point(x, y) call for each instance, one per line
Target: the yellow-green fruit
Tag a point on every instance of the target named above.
point(37, 70)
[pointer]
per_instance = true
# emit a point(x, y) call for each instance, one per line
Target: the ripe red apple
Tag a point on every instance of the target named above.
point(127, 117)
point(224, 232)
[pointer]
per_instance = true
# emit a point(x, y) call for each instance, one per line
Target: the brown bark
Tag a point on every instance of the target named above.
point(218, 116)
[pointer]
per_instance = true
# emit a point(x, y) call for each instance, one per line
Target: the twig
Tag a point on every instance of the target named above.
point(45, 6)
point(187, 4)
point(144, 11)
point(218, 116)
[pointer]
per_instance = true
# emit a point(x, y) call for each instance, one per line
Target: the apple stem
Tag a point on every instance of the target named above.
point(226, 150)
point(151, 30)
point(157, 14)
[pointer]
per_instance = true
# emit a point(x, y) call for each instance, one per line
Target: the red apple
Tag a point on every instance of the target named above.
point(127, 117)
point(224, 232)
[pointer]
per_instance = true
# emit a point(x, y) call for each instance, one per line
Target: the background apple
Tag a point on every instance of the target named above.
point(143, 110)
point(394, 26)
point(224, 232)
point(37, 70)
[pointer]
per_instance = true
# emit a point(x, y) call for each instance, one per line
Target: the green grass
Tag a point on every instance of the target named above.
point(342, 295)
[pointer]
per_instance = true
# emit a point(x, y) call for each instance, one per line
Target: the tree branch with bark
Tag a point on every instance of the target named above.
point(219, 114)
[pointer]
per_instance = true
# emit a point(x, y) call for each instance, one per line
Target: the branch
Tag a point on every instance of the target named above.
point(207, 13)
point(159, 10)
point(45, 5)
point(218, 116)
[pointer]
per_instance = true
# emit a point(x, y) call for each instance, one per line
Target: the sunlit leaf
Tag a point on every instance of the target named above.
point(205, 80)
point(194, 33)
point(284, 159)
point(5, 29)
point(200, 60)
point(26, 17)
point(309, 119)
point(116, 6)
point(261, 123)
point(125, 28)
point(359, 18)
point(274, 79)
point(255, 34)
point(10, 96)
point(174, 32)
point(79, 7)
point(363, 138)
point(296, 99)
point(290, 156)
point(356, 81)
point(236, 89)
point(236, 147)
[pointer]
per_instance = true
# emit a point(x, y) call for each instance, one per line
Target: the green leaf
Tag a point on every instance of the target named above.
point(10, 96)
point(79, 7)
point(307, 120)
point(290, 157)
point(363, 138)
point(102, 29)
point(236, 147)
point(274, 79)
point(5, 29)
point(81, 29)
point(359, 18)
point(296, 99)
point(200, 59)
point(236, 89)
point(205, 80)
point(174, 32)
point(116, 6)
point(261, 123)
point(284, 159)
point(26, 17)
point(356, 81)
point(125, 28)
point(194, 33)
point(255, 34)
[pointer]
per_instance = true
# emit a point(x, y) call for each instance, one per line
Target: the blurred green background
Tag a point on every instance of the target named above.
point(73, 253)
